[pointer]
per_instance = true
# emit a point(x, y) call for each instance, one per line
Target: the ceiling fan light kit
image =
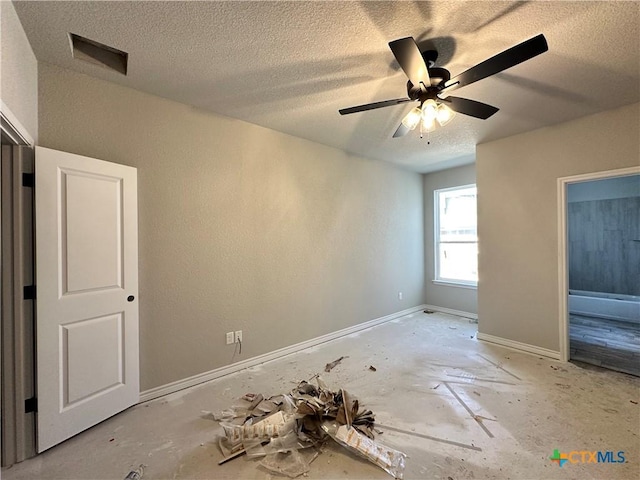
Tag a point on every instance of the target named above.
point(429, 113)
point(431, 86)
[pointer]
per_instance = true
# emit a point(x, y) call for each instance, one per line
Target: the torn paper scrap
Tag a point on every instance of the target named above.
point(390, 460)
point(329, 366)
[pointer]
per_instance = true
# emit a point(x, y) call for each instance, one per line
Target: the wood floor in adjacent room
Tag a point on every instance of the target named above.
point(607, 343)
point(459, 408)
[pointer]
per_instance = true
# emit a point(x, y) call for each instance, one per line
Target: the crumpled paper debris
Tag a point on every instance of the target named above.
point(288, 430)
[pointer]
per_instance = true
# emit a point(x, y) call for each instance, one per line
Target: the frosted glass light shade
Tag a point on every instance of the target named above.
point(428, 124)
point(429, 111)
point(444, 114)
point(412, 118)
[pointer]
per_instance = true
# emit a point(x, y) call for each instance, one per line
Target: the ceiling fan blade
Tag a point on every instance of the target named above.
point(372, 106)
point(410, 59)
point(507, 59)
point(470, 107)
point(401, 131)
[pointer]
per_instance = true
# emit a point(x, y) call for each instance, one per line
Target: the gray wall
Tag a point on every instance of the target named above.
point(604, 245)
point(454, 297)
point(242, 227)
point(18, 70)
point(518, 293)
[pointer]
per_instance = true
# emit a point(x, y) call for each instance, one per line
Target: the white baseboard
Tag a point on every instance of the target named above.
point(251, 362)
point(522, 347)
point(450, 311)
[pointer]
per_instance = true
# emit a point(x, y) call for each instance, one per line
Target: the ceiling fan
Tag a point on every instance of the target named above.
point(431, 85)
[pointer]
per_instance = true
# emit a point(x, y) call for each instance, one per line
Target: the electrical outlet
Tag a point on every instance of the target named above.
point(239, 336)
point(399, 295)
point(230, 340)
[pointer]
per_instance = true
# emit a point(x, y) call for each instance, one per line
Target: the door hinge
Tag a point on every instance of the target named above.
point(28, 180)
point(31, 405)
point(29, 292)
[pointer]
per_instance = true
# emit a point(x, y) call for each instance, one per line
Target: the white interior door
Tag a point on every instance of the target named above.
point(87, 290)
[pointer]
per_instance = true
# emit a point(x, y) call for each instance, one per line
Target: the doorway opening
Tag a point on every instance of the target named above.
point(599, 275)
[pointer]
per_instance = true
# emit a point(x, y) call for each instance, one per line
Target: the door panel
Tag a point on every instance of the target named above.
point(91, 232)
point(87, 266)
point(84, 378)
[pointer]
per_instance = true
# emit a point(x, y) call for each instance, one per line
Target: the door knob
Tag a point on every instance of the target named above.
point(130, 298)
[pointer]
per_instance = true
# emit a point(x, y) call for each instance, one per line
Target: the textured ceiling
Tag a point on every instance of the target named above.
point(290, 66)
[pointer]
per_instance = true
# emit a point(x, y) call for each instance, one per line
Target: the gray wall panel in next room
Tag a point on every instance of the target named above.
point(604, 245)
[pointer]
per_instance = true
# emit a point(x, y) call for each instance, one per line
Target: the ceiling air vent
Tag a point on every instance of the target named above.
point(98, 53)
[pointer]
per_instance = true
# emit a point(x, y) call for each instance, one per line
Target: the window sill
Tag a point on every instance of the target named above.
point(451, 283)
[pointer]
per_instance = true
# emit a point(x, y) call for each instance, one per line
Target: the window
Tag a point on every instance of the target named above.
point(456, 235)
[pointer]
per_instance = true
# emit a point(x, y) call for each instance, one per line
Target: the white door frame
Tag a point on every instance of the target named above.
point(18, 427)
point(563, 270)
point(12, 127)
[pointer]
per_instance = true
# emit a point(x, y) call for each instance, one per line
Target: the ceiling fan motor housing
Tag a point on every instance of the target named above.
point(438, 77)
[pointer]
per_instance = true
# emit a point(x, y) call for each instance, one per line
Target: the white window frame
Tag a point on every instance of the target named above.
point(436, 240)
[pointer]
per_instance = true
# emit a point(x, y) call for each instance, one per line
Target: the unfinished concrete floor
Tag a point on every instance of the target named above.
point(432, 378)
